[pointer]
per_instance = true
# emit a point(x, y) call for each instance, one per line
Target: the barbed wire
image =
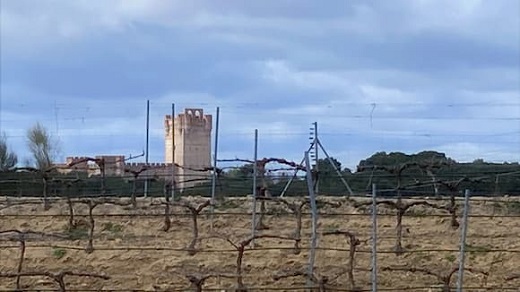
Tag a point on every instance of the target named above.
point(490, 182)
point(234, 214)
point(271, 288)
point(136, 216)
point(255, 249)
point(395, 206)
point(239, 105)
point(511, 136)
point(343, 200)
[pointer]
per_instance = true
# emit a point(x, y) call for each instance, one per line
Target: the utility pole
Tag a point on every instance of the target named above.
point(255, 174)
point(214, 174)
point(147, 143)
point(314, 154)
point(316, 145)
point(173, 152)
point(56, 118)
point(0, 114)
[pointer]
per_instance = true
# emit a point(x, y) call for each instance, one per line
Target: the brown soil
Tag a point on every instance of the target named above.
point(146, 258)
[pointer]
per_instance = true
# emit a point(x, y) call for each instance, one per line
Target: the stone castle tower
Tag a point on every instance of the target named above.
point(191, 145)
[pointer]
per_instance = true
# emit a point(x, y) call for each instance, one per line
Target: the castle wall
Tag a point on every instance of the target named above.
point(83, 166)
point(157, 170)
point(114, 164)
point(191, 132)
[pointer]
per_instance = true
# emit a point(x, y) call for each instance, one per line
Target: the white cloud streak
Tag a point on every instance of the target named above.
point(368, 102)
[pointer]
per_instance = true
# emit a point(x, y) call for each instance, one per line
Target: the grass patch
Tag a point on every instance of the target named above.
point(417, 212)
point(113, 228)
point(450, 258)
point(478, 250)
point(512, 208)
point(506, 208)
point(331, 227)
point(78, 231)
point(58, 252)
point(230, 204)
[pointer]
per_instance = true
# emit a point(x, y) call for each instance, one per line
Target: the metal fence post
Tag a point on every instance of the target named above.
point(214, 176)
point(255, 173)
point(173, 154)
point(314, 210)
point(338, 171)
point(462, 257)
point(374, 238)
point(147, 145)
point(295, 173)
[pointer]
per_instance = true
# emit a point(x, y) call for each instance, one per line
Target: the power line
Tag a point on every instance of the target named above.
point(233, 104)
point(297, 133)
point(324, 115)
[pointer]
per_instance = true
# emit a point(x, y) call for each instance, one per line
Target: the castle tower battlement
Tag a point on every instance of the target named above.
point(188, 138)
point(192, 118)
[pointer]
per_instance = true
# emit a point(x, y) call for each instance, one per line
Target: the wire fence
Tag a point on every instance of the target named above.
point(127, 228)
point(150, 180)
point(193, 243)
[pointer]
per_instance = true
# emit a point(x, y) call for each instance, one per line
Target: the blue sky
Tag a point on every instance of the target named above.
point(376, 75)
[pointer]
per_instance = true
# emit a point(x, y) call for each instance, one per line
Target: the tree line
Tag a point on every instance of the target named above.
point(427, 172)
point(42, 145)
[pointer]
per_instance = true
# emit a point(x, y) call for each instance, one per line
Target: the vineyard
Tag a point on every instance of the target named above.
point(244, 146)
point(154, 244)
point(416, 233)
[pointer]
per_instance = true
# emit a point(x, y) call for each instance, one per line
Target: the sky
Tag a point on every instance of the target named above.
point(397, 75)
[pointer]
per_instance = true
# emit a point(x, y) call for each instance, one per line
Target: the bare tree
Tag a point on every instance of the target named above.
point(21, 237)
point(319, 282)
point(429, 168)
point(135, 174)
point(43, 146)
point(444, 276)
point(58, 277)
point(100, 162)
point(241, 248)
point(8, 159)
point(45, 175)
point(396, 170)
point(353, 244)
point(195, 212)
point(401, 209)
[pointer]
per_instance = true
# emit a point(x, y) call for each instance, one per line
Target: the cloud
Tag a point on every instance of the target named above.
point(468, 152)
point(279, 72)
point(58, 21)
point(376, 76)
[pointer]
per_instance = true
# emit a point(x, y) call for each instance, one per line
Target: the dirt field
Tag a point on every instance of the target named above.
point(159, 266)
